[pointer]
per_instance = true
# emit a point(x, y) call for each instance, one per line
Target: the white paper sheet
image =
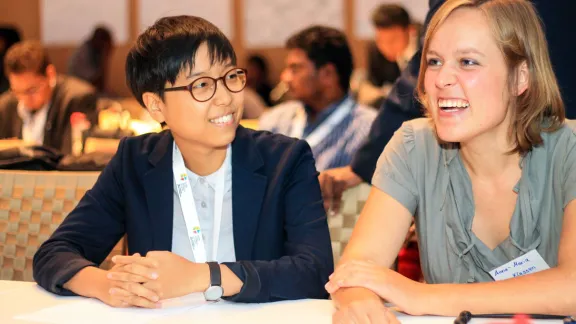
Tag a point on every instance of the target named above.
point(77, 311)
point(363, 14)
point(300, 311)
point(270, 23)
point(218, 12)
point(71, 22)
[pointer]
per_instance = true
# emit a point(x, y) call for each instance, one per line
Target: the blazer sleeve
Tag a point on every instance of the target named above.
point(308, 261)
point(7, 122)
point(87, 234)
point(3, 120)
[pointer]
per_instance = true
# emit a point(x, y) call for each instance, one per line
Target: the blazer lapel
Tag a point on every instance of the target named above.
point(17, 126)
point(56, 119)
point(159, 189)
point(248, 189)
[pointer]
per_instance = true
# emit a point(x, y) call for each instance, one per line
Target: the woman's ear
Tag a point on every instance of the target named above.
point(154, 105)
point(522, 77)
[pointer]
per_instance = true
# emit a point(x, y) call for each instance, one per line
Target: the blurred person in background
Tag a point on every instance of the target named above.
point(258, 77)
point(38, 107)
point(8, 37)
point(318, 69)
point(396, 41)
point(91, 61)
point(254, 106)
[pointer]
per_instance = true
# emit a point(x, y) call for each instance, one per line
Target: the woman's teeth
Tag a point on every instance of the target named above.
point(222, 120)
point(453, 104)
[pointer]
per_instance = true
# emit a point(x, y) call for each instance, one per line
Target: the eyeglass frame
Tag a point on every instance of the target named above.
point(189, 86)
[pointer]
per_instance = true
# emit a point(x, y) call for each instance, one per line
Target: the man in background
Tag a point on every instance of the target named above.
point(38, 106)
point(318, 69)
point(396, 41)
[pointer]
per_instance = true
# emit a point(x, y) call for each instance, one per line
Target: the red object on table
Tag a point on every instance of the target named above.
point(77, 117)
point(522, 319)
point(517, 319)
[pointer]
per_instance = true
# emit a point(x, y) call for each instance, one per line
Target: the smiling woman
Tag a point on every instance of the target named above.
point(490, 177)
point(207, 206)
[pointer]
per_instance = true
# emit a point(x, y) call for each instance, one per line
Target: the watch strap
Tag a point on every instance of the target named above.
point(215, 274)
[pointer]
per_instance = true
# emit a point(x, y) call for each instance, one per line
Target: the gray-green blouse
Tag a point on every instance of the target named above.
point(430, 180)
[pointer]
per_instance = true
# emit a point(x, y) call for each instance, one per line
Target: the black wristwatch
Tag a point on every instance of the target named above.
point(215, 291)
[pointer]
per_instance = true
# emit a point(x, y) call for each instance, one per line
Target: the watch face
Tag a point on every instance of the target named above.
point(213, 293)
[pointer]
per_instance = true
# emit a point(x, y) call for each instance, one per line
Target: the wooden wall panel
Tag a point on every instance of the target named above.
point(25, 14)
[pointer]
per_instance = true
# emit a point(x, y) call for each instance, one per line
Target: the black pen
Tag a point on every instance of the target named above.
point(466, 316)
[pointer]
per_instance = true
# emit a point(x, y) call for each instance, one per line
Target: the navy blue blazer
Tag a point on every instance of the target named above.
point(281, 236)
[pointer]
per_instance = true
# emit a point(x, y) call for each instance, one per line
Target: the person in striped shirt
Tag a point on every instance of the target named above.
point(318, 69)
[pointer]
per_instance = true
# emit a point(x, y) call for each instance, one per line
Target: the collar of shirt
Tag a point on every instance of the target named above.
point(210, 179)
point(451, 150)
point(27, 116)
point(408, 52)
point(322, 116)
point(33, 123)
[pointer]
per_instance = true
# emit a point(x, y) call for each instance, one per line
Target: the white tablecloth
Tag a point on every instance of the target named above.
point(25, 302)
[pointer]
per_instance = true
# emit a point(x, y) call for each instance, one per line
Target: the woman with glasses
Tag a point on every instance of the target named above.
point(207, 205)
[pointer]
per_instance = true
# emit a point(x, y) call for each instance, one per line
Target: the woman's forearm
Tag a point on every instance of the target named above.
point(551, 291)
point(345, 296)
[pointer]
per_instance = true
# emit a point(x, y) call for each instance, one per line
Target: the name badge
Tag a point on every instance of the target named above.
point(530, 262)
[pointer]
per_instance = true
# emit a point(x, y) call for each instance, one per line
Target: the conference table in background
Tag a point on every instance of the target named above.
point(25, 302)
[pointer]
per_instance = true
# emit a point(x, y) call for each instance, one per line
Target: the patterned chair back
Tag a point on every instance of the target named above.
point(342, 224)
point(32, 206)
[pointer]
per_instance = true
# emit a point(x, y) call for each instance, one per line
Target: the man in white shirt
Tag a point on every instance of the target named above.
point(33, 123)
point(38, 106)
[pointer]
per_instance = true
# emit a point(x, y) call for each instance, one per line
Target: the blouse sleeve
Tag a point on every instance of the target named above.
point(570, 170)
point(393, 174)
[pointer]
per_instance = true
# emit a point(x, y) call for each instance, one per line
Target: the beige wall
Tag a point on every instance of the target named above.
point(25, 14)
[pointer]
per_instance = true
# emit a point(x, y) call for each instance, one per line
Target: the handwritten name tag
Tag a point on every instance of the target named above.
point(530, 262)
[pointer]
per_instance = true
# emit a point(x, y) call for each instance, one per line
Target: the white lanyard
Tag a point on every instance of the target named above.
point(189, 206)
point(320, 133)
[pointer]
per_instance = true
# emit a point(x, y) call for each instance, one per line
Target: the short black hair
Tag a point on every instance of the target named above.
point(325, 45)
point(102, 33)
point(167, 48)
point(10, 35)
point(390, 15)
point(26, 56)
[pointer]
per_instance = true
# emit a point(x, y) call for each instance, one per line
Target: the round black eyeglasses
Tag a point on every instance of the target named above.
point(204, 88)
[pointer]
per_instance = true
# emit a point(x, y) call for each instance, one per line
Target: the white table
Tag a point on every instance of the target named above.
point(21, 298)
